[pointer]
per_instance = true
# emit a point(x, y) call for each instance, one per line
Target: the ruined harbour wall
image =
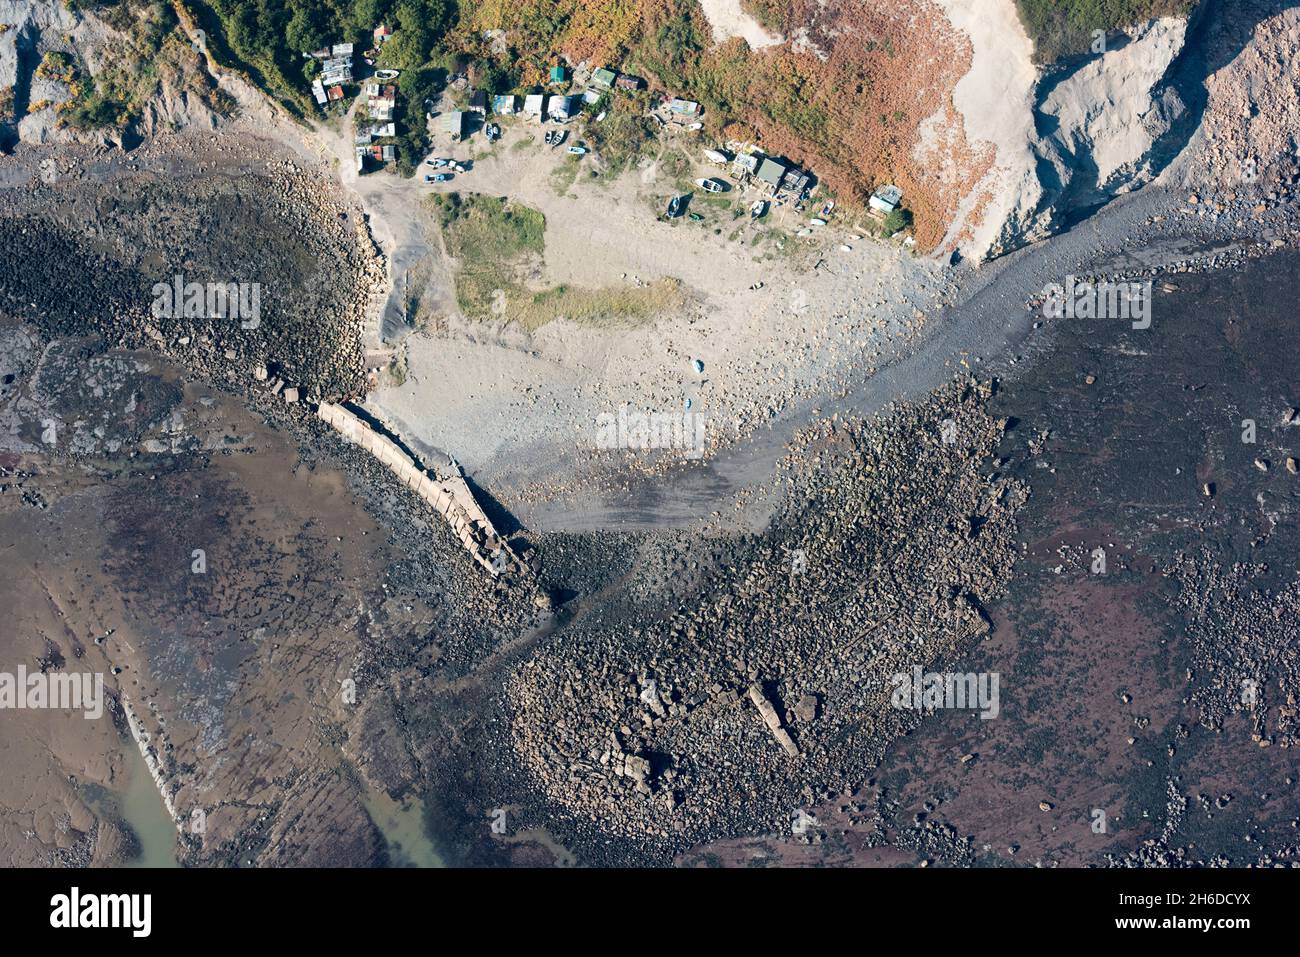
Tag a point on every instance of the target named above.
point(450, 497)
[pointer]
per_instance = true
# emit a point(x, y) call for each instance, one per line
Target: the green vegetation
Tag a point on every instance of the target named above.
point(490, 239)
point(493, 240)
point(266, 38)
point(154, 54)
point(894, 221)
point(487, 228)
point(607, 307)
point(414, 87)
point(565, 174)
point(621, 137)
point(1061, 28)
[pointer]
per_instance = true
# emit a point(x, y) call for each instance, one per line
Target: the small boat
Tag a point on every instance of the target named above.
point(711, 185)
point(816, 222)
point(804, 232)
point(558, 136)
point(758, 209)
point(695, 217)
point(492, 131)
point(826, 210)
point(695, 126)
point(578, 150)
point(674, 207)
point(713, 156)
point(387, 74)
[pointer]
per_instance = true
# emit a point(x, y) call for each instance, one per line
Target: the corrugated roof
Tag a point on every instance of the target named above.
point(770, 171)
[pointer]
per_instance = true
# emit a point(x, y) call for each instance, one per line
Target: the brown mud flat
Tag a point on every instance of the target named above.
point(320, 568)
point(1120, 691)
point(233, 665)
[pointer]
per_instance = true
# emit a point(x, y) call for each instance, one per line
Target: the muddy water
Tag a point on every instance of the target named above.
point(402, 825)
point(142, 808)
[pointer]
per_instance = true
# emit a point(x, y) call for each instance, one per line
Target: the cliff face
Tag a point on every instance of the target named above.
point(1209, 100)
point(34, 29)
point(1097, 132)
point(174, 93)
point(1066, 139)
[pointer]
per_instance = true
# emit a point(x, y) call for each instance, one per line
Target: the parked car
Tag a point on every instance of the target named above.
point(442, 177)
point(435, 162)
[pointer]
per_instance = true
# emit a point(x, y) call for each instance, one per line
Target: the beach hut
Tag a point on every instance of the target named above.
point(771, 172)
point(886, 198)
point(535, 105)
point(603, 78)
point(505, 105)
point(454, 123)
point(565, 107)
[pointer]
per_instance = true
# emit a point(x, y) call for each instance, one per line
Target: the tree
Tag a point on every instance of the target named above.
point(897, 219)
point(304, 32)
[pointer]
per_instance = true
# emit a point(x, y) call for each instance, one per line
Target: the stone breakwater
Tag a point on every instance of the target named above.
point(449, 496)
point(143, 740)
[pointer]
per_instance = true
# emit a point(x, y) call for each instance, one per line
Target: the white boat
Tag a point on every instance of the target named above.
point(816, 222)
point(804, 232)
point(711, 185)
point(387, 74)
point(696, 126)
point(713, 156)
point(758, 209)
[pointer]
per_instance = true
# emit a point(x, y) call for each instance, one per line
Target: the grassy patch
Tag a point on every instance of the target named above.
point(1065, 29)
point(610, 306)
point(620, 138)
point(494, 240)
point(491, 239)
point(565, 174)
point(486, 227)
